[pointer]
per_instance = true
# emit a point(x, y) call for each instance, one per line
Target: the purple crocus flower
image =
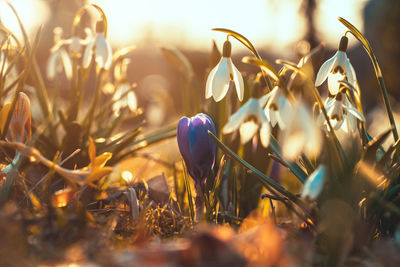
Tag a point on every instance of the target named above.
point(197, 147)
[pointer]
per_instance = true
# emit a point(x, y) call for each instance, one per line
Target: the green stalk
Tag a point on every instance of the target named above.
point(365, 44)
point(388, 107)
point(266, 181)
point(90, 115)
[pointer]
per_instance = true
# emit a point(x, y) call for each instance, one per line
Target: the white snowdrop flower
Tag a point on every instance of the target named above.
point(76, 43)
point(276, 102)
point(59, 58)
point(337, 68)
point(302, 135)
point(124, 97)
point(100, 48)
point(249, 119)
point(221, 76)
point(342, 114)
point(314, 183)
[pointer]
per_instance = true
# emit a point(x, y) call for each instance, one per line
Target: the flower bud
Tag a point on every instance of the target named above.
point(20, 125)
point(196, 146)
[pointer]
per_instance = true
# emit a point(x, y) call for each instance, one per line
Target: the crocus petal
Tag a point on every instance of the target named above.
point(238, 80)
point(325, 69)
point(87, 55)
point(183, 141)
point(209, 82)
point(202, 147)
point(265, 134)
point(247, 131)
point(220, 83)
point(237, 119)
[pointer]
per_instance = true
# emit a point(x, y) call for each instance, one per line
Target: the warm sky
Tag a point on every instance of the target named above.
point(187, 22)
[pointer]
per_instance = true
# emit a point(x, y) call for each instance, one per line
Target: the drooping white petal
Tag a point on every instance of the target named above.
point(325, 69)
point(265, 134)
point(258, 111)
point(103, 52)
point(264, 99)
point(281, 123)
point(52, 65)
point(209, 81)
point(272, 117)
point(355, 112)
point(66, 60)
point(132, 101)
point(236, 119)
point(351, 124)
point(333, 82)
point(238, 80)
point(336, 124)
point(351, 74)
point(340, 61)
point(314, 183)
point(293, 145)
point(220, 83)
point(247, 131)
point(87, 55)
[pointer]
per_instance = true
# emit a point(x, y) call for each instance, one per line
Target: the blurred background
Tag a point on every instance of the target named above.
point(278, 28)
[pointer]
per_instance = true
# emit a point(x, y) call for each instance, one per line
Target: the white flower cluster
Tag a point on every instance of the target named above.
point(300, 133)
point(97, 47)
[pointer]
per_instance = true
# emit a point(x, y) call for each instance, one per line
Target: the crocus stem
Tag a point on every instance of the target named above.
point(199, 202)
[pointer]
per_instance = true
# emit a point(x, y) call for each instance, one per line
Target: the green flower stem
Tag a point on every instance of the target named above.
point(266, 181)
point(388, 107)
point(94, 104)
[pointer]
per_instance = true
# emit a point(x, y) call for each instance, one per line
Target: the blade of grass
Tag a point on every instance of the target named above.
point(266, 181)
point(21, 84)
point(293, 167)
point(36, 75)
point(188, 191)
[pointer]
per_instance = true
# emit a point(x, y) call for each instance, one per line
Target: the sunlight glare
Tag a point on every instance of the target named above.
point(28, 11)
